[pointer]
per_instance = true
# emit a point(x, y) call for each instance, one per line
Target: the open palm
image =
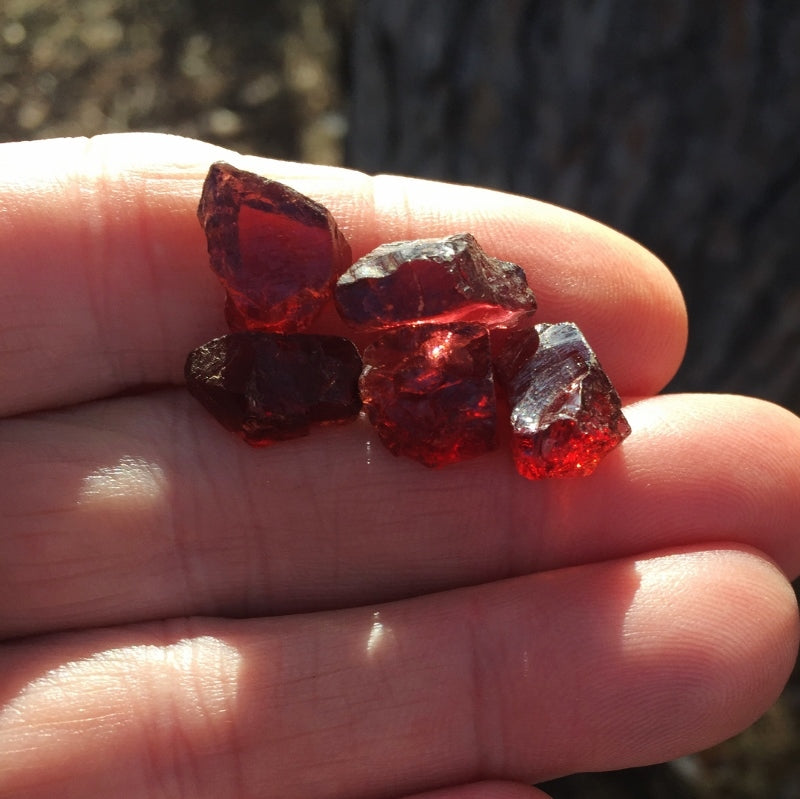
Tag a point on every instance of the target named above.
point(185, 616)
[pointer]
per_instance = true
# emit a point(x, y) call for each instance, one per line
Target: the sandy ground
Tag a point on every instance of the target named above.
point(266, 83)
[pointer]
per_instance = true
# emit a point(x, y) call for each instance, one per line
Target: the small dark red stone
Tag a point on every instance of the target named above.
point(270, 386)
point(276, 252)
point(565, 414)
point(433, 280)
point(429, 391)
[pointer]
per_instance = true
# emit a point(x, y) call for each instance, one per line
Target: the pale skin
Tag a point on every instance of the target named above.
point(188, 617)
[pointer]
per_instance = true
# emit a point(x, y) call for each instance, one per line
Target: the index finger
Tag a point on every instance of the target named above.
point(105, 283)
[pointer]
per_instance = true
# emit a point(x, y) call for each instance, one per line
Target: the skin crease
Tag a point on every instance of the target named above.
point(185, 616)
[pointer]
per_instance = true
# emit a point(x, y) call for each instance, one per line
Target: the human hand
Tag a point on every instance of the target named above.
point(190, 617)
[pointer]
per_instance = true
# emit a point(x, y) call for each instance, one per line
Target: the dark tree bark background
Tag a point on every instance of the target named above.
point(675, 121)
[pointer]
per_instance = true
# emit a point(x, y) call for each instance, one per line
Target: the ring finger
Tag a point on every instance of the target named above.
point(522, 679)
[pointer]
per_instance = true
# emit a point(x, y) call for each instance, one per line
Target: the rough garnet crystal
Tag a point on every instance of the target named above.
point(434, 280)
point(276, 252)
point(429, 391)
point(270, 387)
point(451, 318)
point(565, 414)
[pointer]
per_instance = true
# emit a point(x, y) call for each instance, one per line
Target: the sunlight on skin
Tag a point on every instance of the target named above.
point(95, 695)
point(380, 636)
point(134, 482)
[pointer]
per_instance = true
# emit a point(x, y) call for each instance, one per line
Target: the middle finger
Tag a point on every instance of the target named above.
point(142, 507)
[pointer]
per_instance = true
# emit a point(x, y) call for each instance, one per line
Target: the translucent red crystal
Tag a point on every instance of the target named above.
point(451, 318)
point(276, 252)
point(270, 387)
point(433, 280)
point(565, 414)
point(429, 391)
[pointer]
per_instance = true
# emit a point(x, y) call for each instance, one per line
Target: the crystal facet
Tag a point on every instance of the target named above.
point(270, 386)
point(429, 391)
point(276, 252)
point(565, 414)
point(433, 280)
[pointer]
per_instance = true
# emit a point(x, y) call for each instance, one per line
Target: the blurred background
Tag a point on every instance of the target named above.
point(675, 121)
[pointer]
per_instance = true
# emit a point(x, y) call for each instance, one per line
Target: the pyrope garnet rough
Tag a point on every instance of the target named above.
point(433, 280)
point(429, 391)
point(276, 252)
point(270, 387)
point(450, 318)
point(565, 414)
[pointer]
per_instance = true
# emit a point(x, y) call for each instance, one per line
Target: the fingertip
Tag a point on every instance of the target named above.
point(707, 646)
point(734, 462)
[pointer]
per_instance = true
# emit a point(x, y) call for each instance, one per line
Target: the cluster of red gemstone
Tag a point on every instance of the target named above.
point(277, 254)
point(449, 319)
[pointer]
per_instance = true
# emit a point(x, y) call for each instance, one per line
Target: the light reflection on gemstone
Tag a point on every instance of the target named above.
point(565, 414)
point(436, 410)
point(433, 280)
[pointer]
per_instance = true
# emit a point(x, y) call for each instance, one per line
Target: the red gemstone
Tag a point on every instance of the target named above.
point(565, 414)
point(429, 391)
point(270, 386)
point(433, 280)
point(276, 252)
